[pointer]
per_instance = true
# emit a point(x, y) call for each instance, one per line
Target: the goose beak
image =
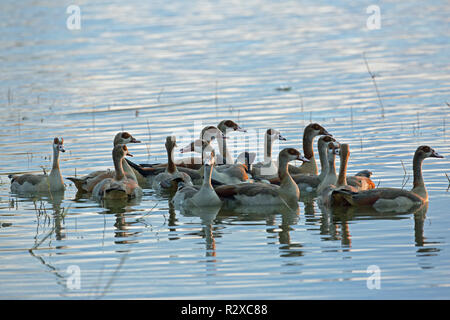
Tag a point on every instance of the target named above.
point(133, 140)
point(280, 137)
point(240, 129)
point(128, 154)
point(434, 154)
point(64, 150)
point(302, 158)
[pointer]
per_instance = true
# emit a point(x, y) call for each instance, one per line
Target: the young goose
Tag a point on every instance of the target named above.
point(309, 183)
point(30, 183)
point(261, 194)
point(149, 172)
point(120, 187)
point(267, 169)
point(87, 183)
point(393, 199)
point(359, 182)
point(163, 180)
point(327, 196)
point(331, 177)
point(228, 173)
point(311, 131)
point(189, 196)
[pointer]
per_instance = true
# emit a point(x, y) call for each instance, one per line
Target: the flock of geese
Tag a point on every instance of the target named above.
point(216, 179)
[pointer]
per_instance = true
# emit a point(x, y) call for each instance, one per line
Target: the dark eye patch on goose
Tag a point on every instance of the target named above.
point(316, 126)
point(328, 139)
point(426, 148)
point(270, 132)
point(56, 141)
point(126, 135)
point(230, 124)
point(293, 151)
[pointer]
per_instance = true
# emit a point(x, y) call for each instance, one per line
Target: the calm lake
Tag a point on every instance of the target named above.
point(157, 68)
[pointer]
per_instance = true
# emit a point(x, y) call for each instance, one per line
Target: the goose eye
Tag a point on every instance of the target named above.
point(316, 126)
point(126, 135)
point(426, 149)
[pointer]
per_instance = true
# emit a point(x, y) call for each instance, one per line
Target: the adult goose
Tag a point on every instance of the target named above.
point(311, 131)
point(86, 183)
point(31, 183)
point(120, 187)
point(190, 196)
point(393, 199)
point(268, 169)
point(262, 194)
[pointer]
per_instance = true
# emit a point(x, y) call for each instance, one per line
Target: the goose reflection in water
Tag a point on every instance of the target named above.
point(335, 216)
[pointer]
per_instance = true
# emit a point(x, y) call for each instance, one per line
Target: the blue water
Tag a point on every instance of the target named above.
point(161, 68)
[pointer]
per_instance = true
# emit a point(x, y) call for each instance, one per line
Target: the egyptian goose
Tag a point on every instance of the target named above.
point(163, 181)
point(228, 173)
point(31, 183)
point(359, 182)
point(268, 169)
point(393, 199)
point(331, 177)
point(120, 187)
point(262, 194)
point(190, 196)
point(327, 197)
point(311, 131)
point(309, 183)
point(86, 183)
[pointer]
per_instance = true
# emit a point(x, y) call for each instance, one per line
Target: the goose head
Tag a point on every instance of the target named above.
point(324, 140)
point(171, 143)
point(315, 129)
point(291, 154)
point(124, 138)
point(332, 151)
point(210, 133)
point(427, 152)
point(227, 125)
point(275, 135)
point(58, 145)
point(198, 146)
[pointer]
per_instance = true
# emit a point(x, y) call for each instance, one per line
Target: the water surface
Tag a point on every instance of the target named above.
point(161, 68)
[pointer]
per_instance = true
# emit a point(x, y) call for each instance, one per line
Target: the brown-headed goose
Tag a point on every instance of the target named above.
point(393, 199)
point(190, 196)
point(31, 183)
point(262, 194)
point(120, 187)
point(311, 131)
point(268, 169)
point(86, 183)
point(229, 125)
point(163, 180)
